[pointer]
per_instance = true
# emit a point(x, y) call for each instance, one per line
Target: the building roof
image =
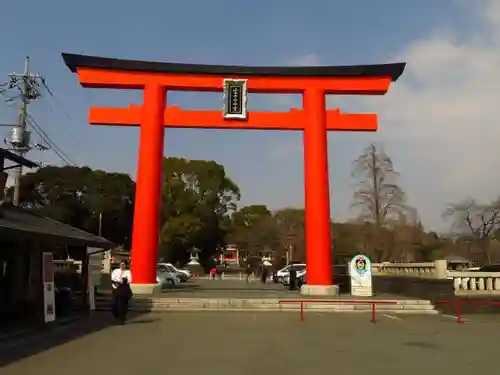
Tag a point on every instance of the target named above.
point(393, 71)
point(6, 154)
point(20, 221)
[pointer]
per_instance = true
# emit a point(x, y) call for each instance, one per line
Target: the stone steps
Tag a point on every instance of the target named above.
point(162, 304)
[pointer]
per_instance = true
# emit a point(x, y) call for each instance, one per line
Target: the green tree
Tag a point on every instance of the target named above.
point(253, 229)
point(290, 224)
point(197, 197)
point(78, 196)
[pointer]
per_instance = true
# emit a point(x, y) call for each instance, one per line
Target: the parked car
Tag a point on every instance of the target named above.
point(471, 269)
point(285, 271)
point(340, 277)
point(167, 279)
point(489, 268)
point(301, 271)
point(183, 275)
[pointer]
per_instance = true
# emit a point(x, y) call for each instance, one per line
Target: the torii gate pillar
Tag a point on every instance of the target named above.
point(313, 83)
point(317, 197)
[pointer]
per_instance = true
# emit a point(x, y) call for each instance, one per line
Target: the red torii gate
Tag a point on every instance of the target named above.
point(156, 78)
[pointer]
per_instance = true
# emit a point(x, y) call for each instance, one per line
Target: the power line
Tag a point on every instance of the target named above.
point(50, 92)
point(28, 87)
point(48, 140)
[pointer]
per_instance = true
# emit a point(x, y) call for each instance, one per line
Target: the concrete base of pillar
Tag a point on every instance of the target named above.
point(146, 289)
point(319, 290)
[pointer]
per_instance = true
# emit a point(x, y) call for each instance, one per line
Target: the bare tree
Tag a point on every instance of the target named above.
point(377, 194)
point(378, 197)
point(480, 221)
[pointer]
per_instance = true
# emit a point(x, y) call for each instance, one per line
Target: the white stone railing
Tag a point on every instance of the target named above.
point(469, 283)
point(475, 283)
point(431, 270)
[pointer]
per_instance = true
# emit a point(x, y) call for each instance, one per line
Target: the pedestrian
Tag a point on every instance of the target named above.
point(120, 282)
point(213, 273)
point(249, 273)
point(263, 275)
point(122, 296)
point(119, 274)
point(293, 278)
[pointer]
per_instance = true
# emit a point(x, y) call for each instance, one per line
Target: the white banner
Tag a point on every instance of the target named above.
point(95, 256)
point(90, 286)
point(49, 305)
point(360, 270)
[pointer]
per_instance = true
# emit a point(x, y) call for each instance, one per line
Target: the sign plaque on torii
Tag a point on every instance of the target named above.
point(314, 120)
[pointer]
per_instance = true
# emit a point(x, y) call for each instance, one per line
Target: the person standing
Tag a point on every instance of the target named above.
point(120, 282)
point(249, 273)
point(293, 278)
point(123, 294)
point(263, 275)
point(119, 274)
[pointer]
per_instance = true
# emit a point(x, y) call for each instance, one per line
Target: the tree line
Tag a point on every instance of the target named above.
point(200, 209)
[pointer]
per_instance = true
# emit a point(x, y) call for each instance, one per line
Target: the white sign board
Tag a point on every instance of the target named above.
point(96, 261)
point(235, 99)
point(49, 306)
point(360, 270)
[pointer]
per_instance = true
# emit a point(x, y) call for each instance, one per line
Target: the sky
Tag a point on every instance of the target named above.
point(438, 122)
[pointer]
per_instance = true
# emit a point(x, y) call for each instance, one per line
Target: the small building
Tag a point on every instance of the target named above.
point(24, 237)
point(231, 256)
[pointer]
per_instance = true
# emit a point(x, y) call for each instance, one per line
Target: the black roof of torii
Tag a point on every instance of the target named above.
point(394, 70)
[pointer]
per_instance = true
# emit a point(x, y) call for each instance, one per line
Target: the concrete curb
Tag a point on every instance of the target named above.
point(165, 304)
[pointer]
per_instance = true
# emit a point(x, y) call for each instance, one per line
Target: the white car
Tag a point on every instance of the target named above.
point(167, 279)
point(285, 271)
point(175, 269)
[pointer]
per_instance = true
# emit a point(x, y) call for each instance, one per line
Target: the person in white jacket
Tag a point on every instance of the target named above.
point(120, 279)
point(119, 274)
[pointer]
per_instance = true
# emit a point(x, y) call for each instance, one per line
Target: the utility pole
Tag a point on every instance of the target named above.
point(22, 149)
point(100, 225)
point(29, 87)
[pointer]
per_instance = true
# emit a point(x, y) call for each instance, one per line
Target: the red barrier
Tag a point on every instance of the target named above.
point(340, 301)
point(458, 303)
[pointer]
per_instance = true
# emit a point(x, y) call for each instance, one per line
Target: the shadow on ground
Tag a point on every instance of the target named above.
point(47, 337)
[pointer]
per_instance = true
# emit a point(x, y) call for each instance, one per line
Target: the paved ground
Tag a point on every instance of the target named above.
point(251, 343)
point(240, 289)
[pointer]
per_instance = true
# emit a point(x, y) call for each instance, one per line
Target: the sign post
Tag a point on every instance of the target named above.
point(360, 271)
point(49, 310)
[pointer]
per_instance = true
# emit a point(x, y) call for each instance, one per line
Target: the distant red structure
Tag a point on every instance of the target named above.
point(156, 79)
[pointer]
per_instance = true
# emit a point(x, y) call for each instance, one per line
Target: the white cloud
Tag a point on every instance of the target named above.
point(443, 114)
point(440, 121)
